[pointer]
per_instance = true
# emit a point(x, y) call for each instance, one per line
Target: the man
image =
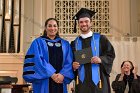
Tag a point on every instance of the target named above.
point(93, 76)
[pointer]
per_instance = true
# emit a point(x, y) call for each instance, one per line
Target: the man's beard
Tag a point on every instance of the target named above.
point(85, 29)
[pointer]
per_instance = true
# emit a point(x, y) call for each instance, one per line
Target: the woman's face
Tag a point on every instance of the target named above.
point(126, 66)
point(51, 28)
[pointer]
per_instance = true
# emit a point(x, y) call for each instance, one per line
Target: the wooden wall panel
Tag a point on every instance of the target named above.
point(12, 65)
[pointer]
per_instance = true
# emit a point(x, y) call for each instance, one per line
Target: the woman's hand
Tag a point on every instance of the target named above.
point(122, 71)
point(60, 78)
point(54, 77)
point(122, 74)
point(135, 70)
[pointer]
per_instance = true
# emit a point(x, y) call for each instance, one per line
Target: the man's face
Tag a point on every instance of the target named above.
point(84, 25)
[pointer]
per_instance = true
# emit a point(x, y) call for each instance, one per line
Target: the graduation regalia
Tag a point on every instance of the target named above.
point(107, 55)
point(43, 60)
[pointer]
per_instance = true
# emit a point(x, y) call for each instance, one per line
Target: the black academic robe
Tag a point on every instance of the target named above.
point(120, 86)
point(56, 60)
point(107, 55)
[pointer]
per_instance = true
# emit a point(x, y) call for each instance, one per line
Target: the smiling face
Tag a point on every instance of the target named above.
point(84, 25)
point(127, 67)
point(51, 29)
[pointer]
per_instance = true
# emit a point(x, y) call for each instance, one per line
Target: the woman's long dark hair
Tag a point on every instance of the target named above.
point(130, 63)
point(46, 23)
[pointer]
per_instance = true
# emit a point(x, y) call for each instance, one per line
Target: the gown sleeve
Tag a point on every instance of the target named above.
point(135, 87)
point(73, 49)
point(107, 54)
point(35, 65)
point(67, 70)
point(118, 86)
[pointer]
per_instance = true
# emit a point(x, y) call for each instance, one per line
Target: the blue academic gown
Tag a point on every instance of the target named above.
point(37, 68)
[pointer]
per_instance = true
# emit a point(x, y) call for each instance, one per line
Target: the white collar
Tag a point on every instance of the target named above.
point(89, 34)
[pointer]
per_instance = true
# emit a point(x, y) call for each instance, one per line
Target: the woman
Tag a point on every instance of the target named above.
point(128, 81)
point(48, 62)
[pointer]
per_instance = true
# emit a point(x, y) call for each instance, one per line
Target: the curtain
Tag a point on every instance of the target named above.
point(126, 48)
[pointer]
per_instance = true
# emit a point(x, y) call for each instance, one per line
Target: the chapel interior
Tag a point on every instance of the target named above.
point(21, 21)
